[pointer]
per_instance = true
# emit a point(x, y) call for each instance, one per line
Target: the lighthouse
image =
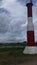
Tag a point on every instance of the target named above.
point(31, 46)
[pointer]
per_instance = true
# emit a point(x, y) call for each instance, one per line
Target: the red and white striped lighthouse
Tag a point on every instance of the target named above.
point(30, 26)
point(30, 48)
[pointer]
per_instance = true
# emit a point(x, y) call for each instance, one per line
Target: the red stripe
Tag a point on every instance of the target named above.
point(30, 38)
point(29, 10)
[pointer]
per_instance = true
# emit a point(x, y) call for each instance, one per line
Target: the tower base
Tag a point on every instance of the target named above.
point(30, 50)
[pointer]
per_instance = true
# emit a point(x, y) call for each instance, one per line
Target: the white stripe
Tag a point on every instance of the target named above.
point(30, 26)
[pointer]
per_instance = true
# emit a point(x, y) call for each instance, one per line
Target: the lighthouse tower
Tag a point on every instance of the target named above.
point(30, 48)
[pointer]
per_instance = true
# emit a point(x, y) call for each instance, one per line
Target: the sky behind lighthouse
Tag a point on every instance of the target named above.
point(13, 27)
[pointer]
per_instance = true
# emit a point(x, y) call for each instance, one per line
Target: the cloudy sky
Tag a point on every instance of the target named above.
point(13, 20)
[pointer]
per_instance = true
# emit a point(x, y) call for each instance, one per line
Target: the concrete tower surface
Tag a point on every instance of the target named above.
point(31, 47)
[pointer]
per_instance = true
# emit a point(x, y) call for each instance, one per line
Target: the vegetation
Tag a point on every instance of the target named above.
point(10, 56)
point(14, 55)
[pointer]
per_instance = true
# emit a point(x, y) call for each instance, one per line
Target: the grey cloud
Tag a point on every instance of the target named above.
point(17, 32)
point(17, 26)
point(15, 39)
point(1, 2)
point(13, 30)
point(23, 2)
point(4, 21)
